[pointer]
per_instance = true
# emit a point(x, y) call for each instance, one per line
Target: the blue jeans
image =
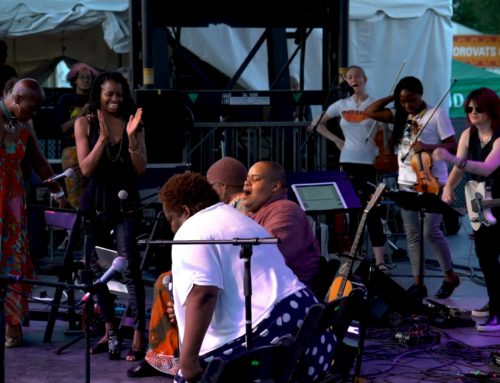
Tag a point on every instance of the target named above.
point(433, 236)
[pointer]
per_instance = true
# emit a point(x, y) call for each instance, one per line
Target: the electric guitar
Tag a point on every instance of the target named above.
point(341, 286)
point(479, 203)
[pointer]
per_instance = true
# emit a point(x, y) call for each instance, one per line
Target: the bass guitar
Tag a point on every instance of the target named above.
point(341, 286)
point(479, 203)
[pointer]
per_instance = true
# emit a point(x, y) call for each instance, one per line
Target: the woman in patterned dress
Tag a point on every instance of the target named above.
point(17, 141)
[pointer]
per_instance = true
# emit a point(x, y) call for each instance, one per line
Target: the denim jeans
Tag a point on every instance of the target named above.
point(433, 236)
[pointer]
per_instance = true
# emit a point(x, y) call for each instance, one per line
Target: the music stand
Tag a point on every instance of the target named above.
point(423, 203)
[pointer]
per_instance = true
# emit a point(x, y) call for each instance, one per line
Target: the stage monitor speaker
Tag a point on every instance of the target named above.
point(167, 124)
point(389, 302)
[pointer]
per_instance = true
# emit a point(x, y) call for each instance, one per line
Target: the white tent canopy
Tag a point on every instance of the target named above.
point(88, 30)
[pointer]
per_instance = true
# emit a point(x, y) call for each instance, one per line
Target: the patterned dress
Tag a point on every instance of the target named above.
point(14, 244)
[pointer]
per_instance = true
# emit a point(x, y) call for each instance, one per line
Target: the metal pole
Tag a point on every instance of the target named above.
point(147, 54)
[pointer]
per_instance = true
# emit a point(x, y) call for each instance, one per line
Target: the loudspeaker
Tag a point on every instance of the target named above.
point(389, 302)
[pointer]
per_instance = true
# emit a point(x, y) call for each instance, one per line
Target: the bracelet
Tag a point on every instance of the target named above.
point(133, 150)
point(57, 195)
point(462, 163)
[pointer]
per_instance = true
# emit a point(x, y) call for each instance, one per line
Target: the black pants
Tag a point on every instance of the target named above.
point(125, 237)
point(360, 175)
point(487, 250)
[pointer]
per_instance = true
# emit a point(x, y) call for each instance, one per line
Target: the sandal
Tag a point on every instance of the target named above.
point(13, 342)
point(99, 348)
point(135, 356)
point(143, 370)
point(384, 268)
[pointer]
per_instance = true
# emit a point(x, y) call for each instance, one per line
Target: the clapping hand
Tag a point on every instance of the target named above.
point(134, 122)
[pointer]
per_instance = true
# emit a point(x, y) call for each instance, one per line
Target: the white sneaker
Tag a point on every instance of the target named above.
point(492, 324)
point(483, 312)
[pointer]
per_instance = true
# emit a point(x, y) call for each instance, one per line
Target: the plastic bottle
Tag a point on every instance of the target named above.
point(114, 346)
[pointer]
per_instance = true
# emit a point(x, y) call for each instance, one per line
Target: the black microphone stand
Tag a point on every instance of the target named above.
point(6, 279)
point(245, 254)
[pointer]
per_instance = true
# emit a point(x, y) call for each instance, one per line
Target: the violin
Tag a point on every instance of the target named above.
point(421, 163)
point(386, 161)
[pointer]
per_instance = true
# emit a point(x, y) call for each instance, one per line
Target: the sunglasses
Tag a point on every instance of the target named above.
point(470, 109)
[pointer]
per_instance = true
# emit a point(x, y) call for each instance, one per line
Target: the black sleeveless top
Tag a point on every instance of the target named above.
point(478, 153)
point(115, 172)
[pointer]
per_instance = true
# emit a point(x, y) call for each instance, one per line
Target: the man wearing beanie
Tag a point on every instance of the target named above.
point(227, 177)
point(265, 196)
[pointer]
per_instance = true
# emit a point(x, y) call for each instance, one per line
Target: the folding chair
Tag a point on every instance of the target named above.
point(273, 363)
point(64, 219)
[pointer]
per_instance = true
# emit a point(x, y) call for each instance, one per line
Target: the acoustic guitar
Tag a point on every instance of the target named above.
point(479, 203)
point(341, 286)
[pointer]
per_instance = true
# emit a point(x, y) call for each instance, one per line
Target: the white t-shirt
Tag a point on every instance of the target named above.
point(355, 126)
point(221, 266)
point(438, 129)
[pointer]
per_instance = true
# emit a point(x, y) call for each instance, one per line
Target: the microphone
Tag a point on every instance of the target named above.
point(122, 196)
point(118, 266)
point(69, 172)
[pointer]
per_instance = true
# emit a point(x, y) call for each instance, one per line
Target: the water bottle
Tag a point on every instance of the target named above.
point(114, 346)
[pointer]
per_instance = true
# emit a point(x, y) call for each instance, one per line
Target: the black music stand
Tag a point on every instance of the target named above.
point(423, 203)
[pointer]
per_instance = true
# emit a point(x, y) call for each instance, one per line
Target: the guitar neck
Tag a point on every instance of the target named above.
point(489, 203)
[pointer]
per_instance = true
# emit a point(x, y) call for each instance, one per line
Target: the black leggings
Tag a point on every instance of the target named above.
point(360, 175)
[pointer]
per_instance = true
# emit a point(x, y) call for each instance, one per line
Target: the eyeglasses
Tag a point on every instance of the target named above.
point(470, 109)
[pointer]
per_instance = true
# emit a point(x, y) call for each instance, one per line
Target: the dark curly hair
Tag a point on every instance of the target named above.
point(189, 189)
point(488, 100)
point(127, 106)
point(411, 84)
point(76, 69)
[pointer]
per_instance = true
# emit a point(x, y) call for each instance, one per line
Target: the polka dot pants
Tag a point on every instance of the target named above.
point(284, 321)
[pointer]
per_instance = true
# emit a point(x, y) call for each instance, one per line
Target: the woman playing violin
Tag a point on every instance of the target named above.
point(410, 114)
point(357, 154)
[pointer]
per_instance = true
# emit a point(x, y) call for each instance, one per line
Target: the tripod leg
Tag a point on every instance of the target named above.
point(60, 350)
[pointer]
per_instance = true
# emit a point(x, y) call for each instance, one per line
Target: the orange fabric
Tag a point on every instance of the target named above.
point(163, 335)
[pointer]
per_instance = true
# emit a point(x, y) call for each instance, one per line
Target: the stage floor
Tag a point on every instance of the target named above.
point(460, 350)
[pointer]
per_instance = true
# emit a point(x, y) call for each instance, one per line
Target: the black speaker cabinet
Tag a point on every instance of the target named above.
point(167, 124)
point(389, 302)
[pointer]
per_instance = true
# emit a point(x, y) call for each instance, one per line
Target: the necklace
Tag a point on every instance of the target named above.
point(484, 141)
point(9, 125)
point(117, 156)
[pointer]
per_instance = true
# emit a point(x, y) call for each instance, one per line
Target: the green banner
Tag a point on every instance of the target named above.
point(469, 78)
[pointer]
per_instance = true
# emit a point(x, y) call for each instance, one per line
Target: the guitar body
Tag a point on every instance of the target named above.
point(336, 290)
point(479, 201)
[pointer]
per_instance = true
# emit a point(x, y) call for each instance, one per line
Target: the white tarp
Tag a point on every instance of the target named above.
point(38, 31)
point(382, 35)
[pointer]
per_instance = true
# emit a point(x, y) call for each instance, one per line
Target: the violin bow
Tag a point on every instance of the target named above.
point(369, 135)
point(415, 138)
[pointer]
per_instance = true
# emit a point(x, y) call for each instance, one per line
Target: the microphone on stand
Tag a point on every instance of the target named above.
point(118, 266)
point(122, 196)
point(69, 172)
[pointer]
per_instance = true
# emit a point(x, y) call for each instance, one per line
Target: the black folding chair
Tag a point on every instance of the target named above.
point(272, 363)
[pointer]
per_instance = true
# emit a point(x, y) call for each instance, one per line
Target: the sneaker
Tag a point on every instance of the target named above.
point(447, 289)
point(418, 291)
point(483, 312)
point(492, 324)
